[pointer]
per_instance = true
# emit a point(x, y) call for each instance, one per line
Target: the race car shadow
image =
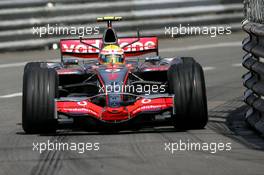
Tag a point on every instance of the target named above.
point(80, 132)
point(229, 119)
point(113, 132)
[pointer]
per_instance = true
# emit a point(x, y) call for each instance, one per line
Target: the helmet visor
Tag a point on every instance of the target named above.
point(112, 58)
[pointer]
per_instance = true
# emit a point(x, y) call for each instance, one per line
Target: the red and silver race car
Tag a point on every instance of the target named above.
point(104, 83)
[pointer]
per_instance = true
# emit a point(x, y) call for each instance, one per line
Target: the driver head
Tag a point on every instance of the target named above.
point(111, 54)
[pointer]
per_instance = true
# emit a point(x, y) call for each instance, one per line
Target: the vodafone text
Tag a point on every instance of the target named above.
point(82, 48)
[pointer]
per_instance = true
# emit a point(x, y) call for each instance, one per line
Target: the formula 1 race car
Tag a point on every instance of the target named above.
point(103, 83)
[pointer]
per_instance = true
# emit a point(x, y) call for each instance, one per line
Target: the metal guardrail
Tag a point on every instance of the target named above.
point(254, 79)
point(151, 17)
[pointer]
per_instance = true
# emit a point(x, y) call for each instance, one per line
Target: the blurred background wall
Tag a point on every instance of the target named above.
point(18, 17)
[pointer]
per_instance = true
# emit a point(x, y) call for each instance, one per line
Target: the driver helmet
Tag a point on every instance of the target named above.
point(112, 54)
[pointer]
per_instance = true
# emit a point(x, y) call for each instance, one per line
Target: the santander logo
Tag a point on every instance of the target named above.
point(74, 46)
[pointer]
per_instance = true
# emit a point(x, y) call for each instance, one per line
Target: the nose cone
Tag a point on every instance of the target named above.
point(115, 114)
point(113, 80)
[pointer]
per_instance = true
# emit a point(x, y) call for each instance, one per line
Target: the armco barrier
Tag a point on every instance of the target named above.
point(254, 79)
point(254, 10)
point(150, 16)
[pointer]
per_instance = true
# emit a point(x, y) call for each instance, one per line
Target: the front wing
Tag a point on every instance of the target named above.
point(74, 108)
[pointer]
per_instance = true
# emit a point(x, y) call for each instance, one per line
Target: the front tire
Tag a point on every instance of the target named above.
point(40, 88)
point(186, 82)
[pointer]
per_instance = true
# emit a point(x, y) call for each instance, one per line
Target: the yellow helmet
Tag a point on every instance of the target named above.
point(112, 54)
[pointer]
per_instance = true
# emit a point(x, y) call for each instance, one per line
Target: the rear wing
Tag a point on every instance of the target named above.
point(90, 48)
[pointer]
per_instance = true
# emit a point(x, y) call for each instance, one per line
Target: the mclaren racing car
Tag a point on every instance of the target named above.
point(105, 82)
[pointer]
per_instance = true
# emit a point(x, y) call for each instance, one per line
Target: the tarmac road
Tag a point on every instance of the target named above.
point(141, 152)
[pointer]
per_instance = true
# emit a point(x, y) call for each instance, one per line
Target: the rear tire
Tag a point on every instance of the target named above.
point(186, 81)
point(40, 88)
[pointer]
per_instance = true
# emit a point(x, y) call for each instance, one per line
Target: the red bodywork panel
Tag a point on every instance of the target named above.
point(86, 108)
point(73, 47)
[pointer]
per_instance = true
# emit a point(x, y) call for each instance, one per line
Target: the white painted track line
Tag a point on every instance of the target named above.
point(208, 68)
point(13, 65)
point(237, 65)
point(205, 46)
point(20, 64)
point(18, 94)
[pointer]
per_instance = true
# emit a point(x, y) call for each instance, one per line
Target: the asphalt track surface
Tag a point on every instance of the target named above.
point(141, 152)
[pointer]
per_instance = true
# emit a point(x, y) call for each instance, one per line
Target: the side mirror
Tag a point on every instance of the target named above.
point(152, 59)
point(70, 61)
